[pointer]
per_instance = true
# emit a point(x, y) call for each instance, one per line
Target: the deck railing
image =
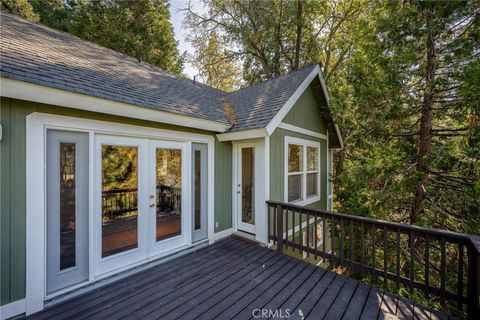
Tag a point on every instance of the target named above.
point(444, 266)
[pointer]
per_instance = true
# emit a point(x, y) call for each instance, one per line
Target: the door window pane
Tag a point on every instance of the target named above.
point(294, 187)
point(119, 199)
point(198, 189)
point(247, 185)
point(312, 184)
point(67, 205)
point(295, 158)
point(169, 193)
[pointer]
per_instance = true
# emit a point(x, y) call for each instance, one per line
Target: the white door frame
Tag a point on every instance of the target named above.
point(185, 238)
point(250, 228)
point(122, 259)
point(36, 127)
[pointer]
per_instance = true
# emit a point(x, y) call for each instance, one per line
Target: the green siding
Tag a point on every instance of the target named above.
point(277, 156)
point(306, 114)
point(223, 185)
point(12, 186)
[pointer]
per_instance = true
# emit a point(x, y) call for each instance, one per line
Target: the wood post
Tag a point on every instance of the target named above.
point(279, 228)
point(474, 279)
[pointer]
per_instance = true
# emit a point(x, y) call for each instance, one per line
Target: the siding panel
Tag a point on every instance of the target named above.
point(12, 185)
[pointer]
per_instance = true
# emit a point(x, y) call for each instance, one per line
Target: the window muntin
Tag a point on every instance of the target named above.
point(302, 171)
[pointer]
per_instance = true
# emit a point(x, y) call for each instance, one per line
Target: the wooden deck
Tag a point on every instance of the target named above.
point(234, 279)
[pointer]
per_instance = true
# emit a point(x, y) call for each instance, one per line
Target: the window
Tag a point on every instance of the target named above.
point(302, 177)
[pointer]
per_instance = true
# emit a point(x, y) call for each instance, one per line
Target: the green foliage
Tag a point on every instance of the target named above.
point(20, 7)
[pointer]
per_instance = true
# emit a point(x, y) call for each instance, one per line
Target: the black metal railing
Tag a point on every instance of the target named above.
point(443, 265)
point(117, 202)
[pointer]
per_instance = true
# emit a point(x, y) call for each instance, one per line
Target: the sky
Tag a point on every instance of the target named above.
point(176, 17)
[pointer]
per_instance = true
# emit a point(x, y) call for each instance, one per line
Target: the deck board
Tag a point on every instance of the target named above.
point(231, 279)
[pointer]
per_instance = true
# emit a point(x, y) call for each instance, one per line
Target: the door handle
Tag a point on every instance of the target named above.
point(152, 205)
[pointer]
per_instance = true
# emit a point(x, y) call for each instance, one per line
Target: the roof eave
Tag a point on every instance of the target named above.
point(43, 94)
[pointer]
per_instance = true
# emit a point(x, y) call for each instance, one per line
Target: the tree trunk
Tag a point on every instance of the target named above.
point(425, 134)
point(298, 39)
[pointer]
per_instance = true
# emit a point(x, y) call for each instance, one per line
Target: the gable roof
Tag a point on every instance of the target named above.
point(256, 105)
point(33, 53)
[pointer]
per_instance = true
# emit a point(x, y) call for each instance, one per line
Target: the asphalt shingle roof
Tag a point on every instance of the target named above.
point(35, 53)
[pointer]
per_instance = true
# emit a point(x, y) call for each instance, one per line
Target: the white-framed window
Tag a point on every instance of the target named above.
point(302, 171)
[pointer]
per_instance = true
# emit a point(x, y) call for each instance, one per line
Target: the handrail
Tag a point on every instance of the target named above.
point(434, 260)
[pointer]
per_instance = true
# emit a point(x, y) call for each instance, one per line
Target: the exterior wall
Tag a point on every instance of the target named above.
point(304, 114)
point(13, 114)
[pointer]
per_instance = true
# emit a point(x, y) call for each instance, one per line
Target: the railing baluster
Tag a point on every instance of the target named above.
point(351, 246)
point(287, 211)
point(275, 241)
point(308, 232)
point(442, 271)
point(385, 255)
point(374, 275)
point(398, 259)
point(324, 227)
point(427, 264)
point(316, 236)
point(460, 276)
point(342, 241)
point(300, 241)
point(412, 261)
point(332, 250)
point(362, 249)
point(279, 228)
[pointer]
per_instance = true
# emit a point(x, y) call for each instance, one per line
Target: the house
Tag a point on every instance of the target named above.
point(108, 163)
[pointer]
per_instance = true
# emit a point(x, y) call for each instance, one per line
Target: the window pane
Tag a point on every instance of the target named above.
point(119, 199)
point(312, 159)
point(295, 158)
point(198, 189)
point(248, 208)
point(312, 184)
point(295, 187)
point(169, 193)
point(67, 205)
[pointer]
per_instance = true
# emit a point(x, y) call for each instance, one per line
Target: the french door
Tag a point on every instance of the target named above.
point(246, 187)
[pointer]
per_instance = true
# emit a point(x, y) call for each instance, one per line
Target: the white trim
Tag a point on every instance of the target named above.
point(36, 128)
point(12, 309)
point(305, 143)
point(38, 93)
point(242, 135)
point(339, 135)
point(300, 130)
point(223, 234)
point(273, 124)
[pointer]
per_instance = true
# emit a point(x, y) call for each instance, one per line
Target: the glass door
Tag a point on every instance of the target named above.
point(122, 189)
point(246, 188)
point(67, 209)
point(167, 196)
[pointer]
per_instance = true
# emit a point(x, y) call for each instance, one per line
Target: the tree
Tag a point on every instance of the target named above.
point(20, 7)
point(216, 70)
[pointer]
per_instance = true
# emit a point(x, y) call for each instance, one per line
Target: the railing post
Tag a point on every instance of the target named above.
point(279, 228)
point(474, 278)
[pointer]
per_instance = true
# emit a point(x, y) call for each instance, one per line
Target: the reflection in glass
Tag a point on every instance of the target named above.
point(295, 158)
point(294, 187)
point(119, 199)
point(198, 188)
point(169, 192)
point(312, 184)
point(312, 158)
point(247, 186)
point(67, 205)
